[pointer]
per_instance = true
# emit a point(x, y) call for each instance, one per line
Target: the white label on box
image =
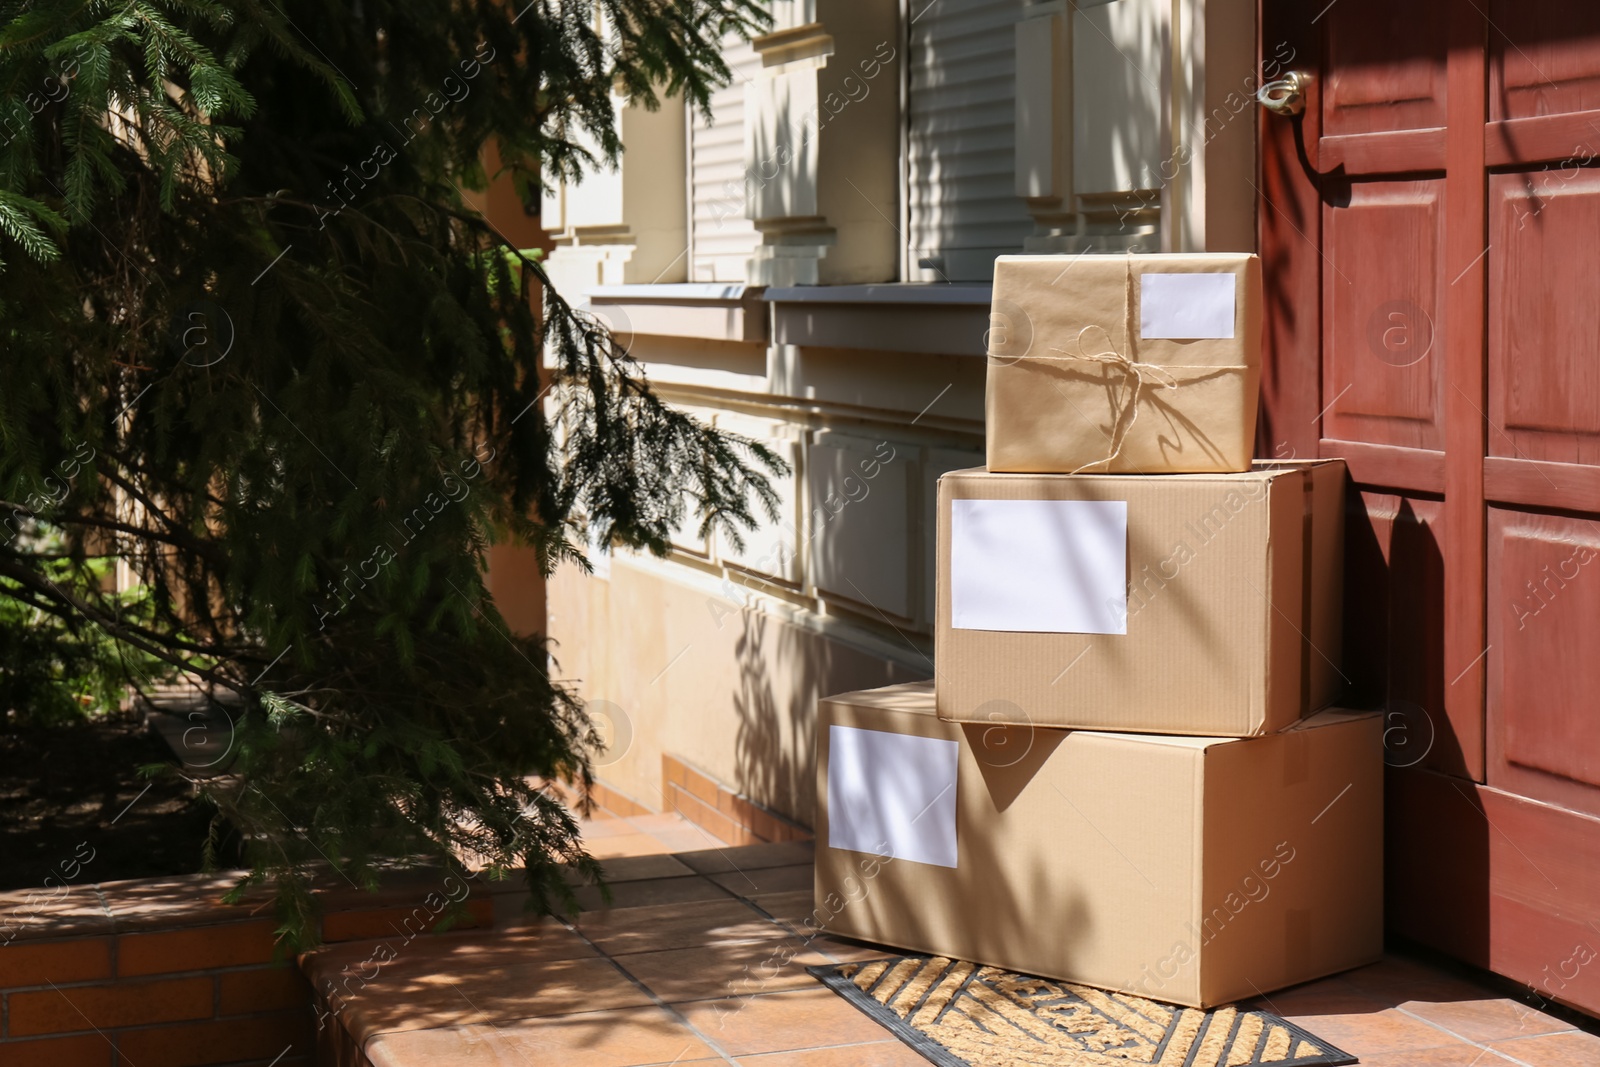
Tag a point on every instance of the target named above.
point(1039, 566)
point(892, 795)
point(1186, 306)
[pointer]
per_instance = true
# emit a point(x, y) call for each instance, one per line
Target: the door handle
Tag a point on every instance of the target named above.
point(1285, 95)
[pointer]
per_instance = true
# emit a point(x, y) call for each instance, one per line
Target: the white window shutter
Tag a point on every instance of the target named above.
point(961, 198)
point(722, 237)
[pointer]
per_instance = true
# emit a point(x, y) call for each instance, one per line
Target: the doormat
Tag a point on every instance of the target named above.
point(960, 1014)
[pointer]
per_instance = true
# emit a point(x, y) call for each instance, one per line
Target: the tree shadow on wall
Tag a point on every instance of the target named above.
point(783, 671)
point(773, 754)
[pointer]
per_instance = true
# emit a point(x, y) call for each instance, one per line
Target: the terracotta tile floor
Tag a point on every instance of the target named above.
point(698, 960)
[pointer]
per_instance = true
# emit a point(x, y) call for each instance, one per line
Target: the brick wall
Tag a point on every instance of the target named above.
point(708, 804)
point(609, 799)
point(160, 973)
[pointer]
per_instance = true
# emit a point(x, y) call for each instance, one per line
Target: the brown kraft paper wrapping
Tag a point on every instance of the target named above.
point(1074, 387)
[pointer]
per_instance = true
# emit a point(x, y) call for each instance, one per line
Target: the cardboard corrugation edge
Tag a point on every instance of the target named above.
point(1285, 574)
point(1200, 995)
point(1321, 637)
point(1263, 703)
point(1197, 869)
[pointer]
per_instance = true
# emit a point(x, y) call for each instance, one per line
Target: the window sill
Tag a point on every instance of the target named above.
point(716, 311)
point(895, 293)
point(936, 318)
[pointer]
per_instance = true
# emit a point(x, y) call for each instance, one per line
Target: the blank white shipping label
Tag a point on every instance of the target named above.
point(1039, 566)
point(892, 795)
point(1186, 306)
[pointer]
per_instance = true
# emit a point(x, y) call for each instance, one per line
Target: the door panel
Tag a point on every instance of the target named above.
point(1386, 67)
point(1384, 321)
point(1542, 60)
point(1517, 881)
point(1544, 571)
point(1428, 230)
point(1544, 321)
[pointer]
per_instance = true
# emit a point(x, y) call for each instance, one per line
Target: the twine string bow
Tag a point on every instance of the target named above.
point(1137, 376)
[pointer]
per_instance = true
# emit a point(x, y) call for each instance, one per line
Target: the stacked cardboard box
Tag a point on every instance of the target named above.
point(1124, 773)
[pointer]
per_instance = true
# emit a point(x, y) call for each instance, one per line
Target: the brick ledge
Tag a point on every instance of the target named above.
point(731, 816)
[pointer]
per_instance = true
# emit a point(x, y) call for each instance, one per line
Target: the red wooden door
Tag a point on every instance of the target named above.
point(1430, 227)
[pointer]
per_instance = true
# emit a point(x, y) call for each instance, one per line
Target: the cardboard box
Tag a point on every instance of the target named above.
point(1145, 364)
point(1196, 871)
point(1205, 604)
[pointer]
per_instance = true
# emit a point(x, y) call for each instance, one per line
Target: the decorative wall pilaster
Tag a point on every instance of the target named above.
point(822, 145)
point(629, 225)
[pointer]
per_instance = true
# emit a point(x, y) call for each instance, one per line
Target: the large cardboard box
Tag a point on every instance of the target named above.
point(1145, 364)
point(1205, 604)
point(1191, 870)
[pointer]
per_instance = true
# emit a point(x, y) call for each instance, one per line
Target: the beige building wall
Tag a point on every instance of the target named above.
point(845, 343)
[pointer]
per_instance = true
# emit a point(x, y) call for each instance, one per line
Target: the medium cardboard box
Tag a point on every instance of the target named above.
point(1204, 604)
point(1191, 870)
point(1144, 364)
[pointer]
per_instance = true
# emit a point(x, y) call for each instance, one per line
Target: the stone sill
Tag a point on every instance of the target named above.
point(896, 317)
point(710, 312)
point(895, 293)
point(187, 901)
point(935, 318)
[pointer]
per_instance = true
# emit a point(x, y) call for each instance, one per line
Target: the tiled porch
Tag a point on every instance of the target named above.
point(699, 959)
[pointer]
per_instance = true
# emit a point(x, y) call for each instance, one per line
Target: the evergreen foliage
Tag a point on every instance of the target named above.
point(258, 348)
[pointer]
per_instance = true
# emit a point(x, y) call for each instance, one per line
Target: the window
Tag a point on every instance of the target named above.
point(721, 237)
point(961, 199)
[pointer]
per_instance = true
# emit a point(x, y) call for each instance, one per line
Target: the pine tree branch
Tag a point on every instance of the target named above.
point(143, 533)
point(147, 641)
point(179, 534)
point(394, 332)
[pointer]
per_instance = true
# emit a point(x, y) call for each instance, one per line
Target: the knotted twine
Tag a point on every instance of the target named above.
point(1137, 376)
